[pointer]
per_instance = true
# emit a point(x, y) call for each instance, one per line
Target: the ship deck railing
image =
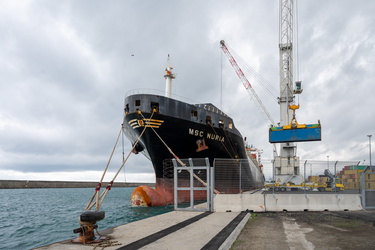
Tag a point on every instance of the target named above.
point(146, 91)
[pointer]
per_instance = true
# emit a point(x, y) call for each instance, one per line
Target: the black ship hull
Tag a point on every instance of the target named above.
point(171, 128)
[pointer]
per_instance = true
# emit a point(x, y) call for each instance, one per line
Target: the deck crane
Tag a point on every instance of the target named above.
point(253, 95)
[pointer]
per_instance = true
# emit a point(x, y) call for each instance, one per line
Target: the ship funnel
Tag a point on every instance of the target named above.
point(168, 79)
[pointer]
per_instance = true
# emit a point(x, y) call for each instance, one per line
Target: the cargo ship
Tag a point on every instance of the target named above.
point(163, 128)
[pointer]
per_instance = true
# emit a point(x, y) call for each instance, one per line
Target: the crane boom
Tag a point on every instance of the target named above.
point(253, 95)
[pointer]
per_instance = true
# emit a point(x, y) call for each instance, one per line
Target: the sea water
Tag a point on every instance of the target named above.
point(32, 218)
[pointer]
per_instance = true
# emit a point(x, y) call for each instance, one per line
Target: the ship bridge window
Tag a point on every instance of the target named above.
point(221, 124)
point(230, 125)
point(208, 119)
point(154, 107)
point(137, 103)
point(194, 113)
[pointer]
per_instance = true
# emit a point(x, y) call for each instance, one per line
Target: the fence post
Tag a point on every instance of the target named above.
point(363, 191)
point(334, 176)
point(304, 176)
point(241, 175)
point(211, 177)
point(175, 182)
point(274, 176)
point(191, 165)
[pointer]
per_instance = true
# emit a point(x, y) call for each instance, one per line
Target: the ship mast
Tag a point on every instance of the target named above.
point(168, 79)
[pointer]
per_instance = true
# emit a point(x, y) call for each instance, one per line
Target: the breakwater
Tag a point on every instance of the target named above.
point(14, 184)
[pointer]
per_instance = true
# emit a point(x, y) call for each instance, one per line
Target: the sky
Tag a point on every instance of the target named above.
point(66, 66)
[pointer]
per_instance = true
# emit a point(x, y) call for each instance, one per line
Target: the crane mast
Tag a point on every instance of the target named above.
point(286, 60)
point(288, 131)
point(287, 163)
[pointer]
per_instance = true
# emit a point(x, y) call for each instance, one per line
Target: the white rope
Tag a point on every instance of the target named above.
point(96, 193)
point(230, 143)
point(100, 199)
point(182, 164)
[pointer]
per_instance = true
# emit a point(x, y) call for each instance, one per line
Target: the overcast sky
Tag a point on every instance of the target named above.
point(65, 67)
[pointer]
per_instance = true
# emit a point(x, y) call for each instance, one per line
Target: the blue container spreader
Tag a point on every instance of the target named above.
point(311, 132)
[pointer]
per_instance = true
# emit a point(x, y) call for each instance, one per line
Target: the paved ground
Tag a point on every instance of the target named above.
point(281, 230)
point(348, 191)
point(198, 230)
point(308, 230)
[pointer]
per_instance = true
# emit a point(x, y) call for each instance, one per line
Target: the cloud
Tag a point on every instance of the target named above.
point(66, 66)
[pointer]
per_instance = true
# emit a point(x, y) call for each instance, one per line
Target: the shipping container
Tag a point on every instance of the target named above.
point(370, 185)
point(350, 172)
point(370, 177)
point(351, 185)
point(358, 167)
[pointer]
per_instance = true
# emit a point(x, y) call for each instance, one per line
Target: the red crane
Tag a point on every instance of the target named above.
point(253, 96)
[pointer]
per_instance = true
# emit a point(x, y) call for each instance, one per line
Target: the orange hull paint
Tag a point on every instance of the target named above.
point(162, 195)
point(145, 196)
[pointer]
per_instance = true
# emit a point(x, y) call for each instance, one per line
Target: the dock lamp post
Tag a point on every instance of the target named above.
point(369, 145)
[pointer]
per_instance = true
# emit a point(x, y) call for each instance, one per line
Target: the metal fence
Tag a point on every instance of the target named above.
point(192, 184)
point(241, 175)
point(368, 188)
point(236, 176)
point(196, 181)
point(232, 176)
point(313, 171)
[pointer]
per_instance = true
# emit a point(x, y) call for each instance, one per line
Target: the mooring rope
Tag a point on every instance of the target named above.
point(100, 199)
point(230, 143)
point(97, 189)
point(178, 159)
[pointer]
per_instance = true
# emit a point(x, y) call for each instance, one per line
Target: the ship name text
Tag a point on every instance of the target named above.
point(210, 136)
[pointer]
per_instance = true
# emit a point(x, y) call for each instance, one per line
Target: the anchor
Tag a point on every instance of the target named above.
point(88, 224)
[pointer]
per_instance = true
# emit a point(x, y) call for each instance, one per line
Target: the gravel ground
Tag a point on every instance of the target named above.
point(308, 230)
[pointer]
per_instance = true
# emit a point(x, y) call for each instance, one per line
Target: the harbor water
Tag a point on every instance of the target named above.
point(36, 217)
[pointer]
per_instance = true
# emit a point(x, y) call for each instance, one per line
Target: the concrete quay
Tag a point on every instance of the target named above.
point(220, 229)
point(266, 201)
point(233, 230)
point(173, 230)
point(308, 230)
point(288, 220)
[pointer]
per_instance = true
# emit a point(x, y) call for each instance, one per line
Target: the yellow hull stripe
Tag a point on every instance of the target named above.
point(153, 123)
